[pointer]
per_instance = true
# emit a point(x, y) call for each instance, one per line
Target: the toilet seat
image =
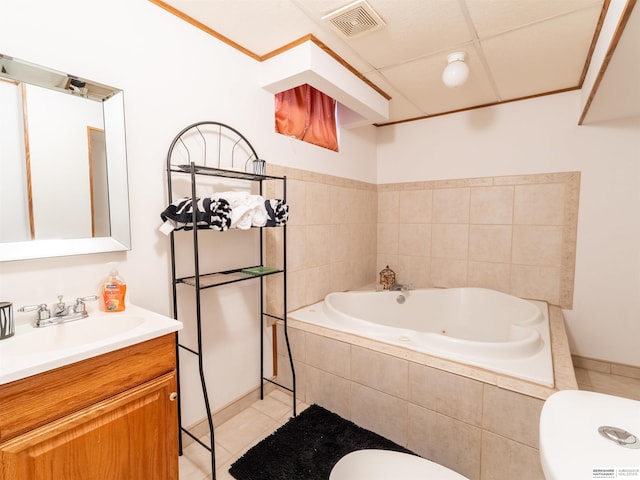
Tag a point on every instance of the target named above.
point(386, 464)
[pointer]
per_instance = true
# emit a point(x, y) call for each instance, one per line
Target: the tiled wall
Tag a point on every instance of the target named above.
point(331, 236)
point(514, 234)
point(478, 429)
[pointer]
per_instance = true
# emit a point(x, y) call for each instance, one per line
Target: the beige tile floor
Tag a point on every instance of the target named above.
point(235, 436)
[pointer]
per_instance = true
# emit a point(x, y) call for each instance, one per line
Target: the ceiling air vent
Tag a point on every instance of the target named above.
point(354, 19)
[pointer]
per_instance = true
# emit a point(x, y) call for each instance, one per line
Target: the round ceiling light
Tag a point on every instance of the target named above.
point(456, 72)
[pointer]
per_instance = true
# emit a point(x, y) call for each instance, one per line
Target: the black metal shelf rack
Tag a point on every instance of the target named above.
point(201, 139)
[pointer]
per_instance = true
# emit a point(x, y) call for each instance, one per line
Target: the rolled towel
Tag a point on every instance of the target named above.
point(259, 215)
point(277, 212)
point(247, 210)
point(225, 210)
point(220, 214)
point(211, 213)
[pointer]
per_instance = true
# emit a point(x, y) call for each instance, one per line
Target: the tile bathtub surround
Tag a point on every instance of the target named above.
point(485, 428)
point(458, 445)
point(515, 234)
point(331, 236)
point(476, 422)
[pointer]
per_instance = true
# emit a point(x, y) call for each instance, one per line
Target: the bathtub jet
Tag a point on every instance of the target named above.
point(475, 326)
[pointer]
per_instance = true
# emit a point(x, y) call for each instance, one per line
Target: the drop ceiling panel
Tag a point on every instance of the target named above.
point(260, 26)
point(544, 57)
point(526, 47)
point(491, 17)
point(424, 75)
point(400, 107)
point(441, 24)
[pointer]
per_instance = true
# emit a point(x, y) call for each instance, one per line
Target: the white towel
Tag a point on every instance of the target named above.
point(247, 210)
point(259, 215)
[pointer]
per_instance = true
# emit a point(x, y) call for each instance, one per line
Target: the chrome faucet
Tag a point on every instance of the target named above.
point(80, 307)
point(42, 316)
point(60, 309)
point(62, 312)
point(400, 287)
point(404, 292)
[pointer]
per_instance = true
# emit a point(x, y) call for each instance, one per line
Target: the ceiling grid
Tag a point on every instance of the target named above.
point(514, 48)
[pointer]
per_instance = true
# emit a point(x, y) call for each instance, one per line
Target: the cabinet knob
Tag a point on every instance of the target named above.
point(173, 396)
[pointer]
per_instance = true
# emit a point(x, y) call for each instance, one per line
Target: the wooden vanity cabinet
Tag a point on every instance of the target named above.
point(111, 417)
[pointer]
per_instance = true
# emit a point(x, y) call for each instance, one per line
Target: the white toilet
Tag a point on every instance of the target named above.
point(386, 464)
point(583, 432)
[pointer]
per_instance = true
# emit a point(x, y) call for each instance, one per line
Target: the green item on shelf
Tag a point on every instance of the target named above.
point(260, 270)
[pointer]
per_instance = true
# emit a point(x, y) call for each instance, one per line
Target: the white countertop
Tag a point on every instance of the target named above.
point(36, 350)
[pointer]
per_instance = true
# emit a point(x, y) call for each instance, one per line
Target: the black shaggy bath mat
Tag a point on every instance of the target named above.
point(307, 447)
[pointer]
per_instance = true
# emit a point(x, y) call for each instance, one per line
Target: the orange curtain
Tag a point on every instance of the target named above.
point(307, 114)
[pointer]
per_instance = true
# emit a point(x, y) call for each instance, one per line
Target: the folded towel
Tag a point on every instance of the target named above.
point(210, 213)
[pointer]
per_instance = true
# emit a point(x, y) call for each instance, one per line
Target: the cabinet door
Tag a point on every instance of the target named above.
point(130, 436)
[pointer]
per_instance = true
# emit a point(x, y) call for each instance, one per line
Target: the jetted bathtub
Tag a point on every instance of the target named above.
point(475, 326)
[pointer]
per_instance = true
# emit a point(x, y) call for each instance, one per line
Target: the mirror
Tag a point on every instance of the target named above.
point(63, 168)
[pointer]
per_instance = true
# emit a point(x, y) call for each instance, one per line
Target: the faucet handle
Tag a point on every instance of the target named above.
point(43, 310)
point(60, 308)
point(80, 306)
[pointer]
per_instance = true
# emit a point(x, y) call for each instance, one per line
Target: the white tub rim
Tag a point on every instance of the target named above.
point(542, 375)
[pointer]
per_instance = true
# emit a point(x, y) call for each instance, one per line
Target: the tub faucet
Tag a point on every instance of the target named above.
point(404, 292)
point(400, 287)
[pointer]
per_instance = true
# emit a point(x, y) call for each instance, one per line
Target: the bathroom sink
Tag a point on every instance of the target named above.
point(72, 335)
point(36, 350)
point(588, 435)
